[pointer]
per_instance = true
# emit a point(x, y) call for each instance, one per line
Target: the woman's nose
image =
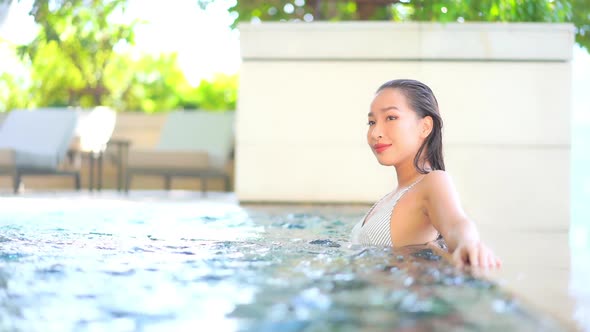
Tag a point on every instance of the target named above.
point(376, 132)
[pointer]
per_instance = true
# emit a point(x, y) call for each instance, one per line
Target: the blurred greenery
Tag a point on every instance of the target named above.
point(156, 83)
point(83, 57)
point(12, 93)
point(575, 11)
point(74, 49)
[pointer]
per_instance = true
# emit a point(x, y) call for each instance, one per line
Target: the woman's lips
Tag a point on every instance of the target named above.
point(381, 147)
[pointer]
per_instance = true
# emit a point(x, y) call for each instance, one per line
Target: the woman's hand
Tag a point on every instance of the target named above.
point(476, 254)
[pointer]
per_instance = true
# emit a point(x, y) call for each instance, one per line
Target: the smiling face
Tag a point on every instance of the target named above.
point(395, 132)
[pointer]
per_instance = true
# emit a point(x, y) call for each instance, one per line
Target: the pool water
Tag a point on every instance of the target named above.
point(95, 264)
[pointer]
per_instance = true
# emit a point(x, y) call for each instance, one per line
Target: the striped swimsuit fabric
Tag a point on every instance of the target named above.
point(375, 227)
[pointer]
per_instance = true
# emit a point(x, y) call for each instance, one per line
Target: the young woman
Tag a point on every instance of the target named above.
point(405, 131)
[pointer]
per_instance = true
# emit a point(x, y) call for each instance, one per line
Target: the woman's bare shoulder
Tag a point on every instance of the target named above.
point(437, 177)
point(437, 182)
point(441, 199)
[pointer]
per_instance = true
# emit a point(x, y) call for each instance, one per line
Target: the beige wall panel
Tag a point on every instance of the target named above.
point(478, 103)
point(412, 40)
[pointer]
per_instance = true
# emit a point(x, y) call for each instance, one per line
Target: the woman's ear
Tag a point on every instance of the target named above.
point(426, 126)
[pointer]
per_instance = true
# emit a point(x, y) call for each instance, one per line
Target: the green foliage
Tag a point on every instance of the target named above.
point(79, 33)
point(581, 19)
point(156, 83)
point(13, 93)
point(81, 58)
point(278, 10)
point(220, 93)
point(575, 11)
point(55, 81)
point(136, 83)
point(489, 11)
point(149, 84)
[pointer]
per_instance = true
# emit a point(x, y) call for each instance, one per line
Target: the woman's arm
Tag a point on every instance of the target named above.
point(446, 215)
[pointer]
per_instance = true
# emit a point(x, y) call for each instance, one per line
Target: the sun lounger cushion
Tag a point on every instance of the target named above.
point(168, 159)
point(39, 138)
point(210, 132)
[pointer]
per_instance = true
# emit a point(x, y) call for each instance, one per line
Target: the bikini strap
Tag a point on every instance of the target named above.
point(414, 183)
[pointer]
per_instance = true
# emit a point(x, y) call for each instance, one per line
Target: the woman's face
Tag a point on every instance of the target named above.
point(395, 131)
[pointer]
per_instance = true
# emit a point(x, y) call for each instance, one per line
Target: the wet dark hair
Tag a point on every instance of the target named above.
point(423, 102)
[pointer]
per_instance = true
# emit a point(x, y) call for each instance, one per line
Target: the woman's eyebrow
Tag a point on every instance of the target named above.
point(385, 109)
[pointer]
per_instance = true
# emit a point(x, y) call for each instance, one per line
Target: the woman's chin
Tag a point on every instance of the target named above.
point(385, 161)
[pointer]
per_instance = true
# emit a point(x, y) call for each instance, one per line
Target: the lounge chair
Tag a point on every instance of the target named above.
point(192, 144)
point(35, 142)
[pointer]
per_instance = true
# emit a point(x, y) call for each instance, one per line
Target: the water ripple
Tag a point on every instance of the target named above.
point(133, 266)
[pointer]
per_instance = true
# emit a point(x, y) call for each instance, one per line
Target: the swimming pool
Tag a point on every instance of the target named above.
point(84, 263)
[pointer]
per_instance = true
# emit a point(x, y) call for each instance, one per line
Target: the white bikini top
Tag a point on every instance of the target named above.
point(375, 227)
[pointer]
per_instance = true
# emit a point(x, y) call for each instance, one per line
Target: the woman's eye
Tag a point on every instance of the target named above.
point(391, 117)
point(371, 122)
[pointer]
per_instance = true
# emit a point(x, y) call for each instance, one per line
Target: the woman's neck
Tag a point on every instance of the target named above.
point(408, 174)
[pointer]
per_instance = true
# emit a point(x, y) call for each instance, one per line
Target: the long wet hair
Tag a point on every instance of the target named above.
point(423, 102)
